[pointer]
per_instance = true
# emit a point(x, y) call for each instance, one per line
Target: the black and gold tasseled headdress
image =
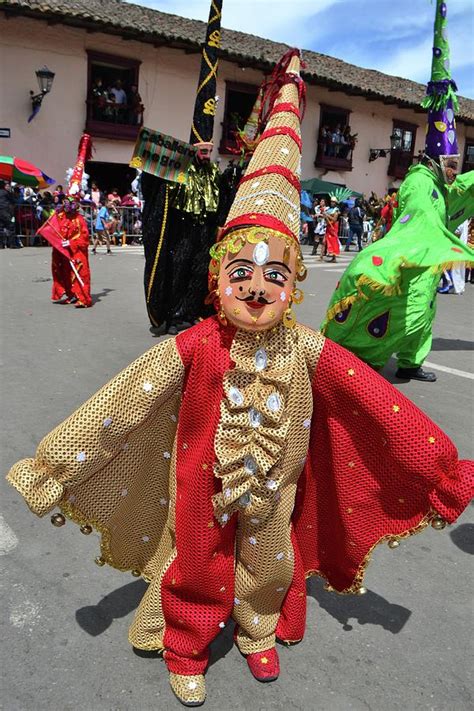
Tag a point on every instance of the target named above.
point(205, 104)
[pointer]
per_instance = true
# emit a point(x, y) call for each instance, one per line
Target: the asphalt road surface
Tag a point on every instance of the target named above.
point(404, 645)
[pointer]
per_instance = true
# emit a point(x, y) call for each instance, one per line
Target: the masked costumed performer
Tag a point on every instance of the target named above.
point(386, 300)
point(180, 221)
point(68, 234)
point(229, 462)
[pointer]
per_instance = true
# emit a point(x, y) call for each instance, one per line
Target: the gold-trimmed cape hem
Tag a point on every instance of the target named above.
point(74, 514)
point(357, 582)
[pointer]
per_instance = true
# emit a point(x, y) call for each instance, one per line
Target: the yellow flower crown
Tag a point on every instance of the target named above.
point(234, 241)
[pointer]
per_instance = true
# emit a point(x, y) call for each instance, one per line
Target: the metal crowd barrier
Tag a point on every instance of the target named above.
point(125, 224)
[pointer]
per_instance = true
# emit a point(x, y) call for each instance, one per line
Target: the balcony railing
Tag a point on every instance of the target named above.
point(109, 120)
point(334, 156)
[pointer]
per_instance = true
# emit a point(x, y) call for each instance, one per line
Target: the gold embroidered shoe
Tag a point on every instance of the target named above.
point(190, 690)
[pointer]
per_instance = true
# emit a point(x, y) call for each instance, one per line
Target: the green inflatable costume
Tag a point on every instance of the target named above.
point(385, 302)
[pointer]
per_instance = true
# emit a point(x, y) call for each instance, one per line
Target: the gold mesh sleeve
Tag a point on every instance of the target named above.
point(98, 432)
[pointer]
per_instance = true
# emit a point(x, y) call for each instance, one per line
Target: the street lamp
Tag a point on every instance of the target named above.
point(45, 81)
point(395, 145)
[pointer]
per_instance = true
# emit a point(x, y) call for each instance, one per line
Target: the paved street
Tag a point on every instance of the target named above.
point(404, 645)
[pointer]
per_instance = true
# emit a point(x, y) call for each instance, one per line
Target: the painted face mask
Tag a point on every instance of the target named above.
point(70, 206)
point(254, 279)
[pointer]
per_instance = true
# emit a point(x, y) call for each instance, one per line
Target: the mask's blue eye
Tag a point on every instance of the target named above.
point(275, 276)
point(240, 273)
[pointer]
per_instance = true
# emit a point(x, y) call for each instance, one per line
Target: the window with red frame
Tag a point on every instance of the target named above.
point(336, 141)
point(114, 105)
point(401, 157)
point(239, 101)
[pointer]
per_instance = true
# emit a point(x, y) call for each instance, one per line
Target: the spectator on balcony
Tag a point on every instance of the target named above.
point(346, 143)
point(98, 100)
point(325, 140)
point(119, 100)
point(135, 107)
point(336, 140)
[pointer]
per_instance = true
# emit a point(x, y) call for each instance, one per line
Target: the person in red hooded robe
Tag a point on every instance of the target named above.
point(71, 277)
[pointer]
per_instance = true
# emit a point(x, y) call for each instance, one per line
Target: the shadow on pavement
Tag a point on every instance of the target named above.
point(98, 297)
point(368, 609)
point(95, 619)
point(451, 344)
point(463, 537)
point(222, 645)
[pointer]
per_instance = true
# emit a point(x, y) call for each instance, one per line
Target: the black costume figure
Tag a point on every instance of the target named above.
point(180, 221)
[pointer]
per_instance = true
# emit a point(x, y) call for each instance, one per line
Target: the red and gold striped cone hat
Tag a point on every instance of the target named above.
point(268, 195)
point(84, 153)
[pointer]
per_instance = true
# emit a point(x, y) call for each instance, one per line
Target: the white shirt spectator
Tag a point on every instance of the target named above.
point(120, 95)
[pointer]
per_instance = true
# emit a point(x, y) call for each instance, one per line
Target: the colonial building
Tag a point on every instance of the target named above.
point(97, 48)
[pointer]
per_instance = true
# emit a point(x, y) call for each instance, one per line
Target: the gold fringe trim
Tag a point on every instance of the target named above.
point(358, 580)
point(440, 268)
point(386, 289)
point(74, 514)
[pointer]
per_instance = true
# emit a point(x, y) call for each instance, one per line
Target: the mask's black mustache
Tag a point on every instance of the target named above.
point(260, 300)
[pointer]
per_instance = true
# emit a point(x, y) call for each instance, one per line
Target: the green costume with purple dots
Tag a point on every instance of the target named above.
point(385, 302)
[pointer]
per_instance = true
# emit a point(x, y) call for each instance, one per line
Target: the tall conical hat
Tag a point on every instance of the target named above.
point(269, 194)
point(441, 100)
point(84, 153)
point(205, 105)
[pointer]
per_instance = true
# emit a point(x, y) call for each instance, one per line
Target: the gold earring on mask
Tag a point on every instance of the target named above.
point(289, 320)
point(297, 296)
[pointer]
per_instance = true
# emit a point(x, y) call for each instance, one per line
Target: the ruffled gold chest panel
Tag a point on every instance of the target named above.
point(262, 438)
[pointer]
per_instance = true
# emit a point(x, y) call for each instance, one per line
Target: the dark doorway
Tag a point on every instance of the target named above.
point(111, 175)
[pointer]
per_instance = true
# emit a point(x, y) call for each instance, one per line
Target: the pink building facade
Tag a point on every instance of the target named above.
point(166, 76)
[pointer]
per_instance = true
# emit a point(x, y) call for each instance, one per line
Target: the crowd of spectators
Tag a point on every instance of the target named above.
point(360, 221)
point(116, 104)
point(23, 210)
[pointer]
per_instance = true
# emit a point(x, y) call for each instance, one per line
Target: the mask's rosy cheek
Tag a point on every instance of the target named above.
point(229, 290)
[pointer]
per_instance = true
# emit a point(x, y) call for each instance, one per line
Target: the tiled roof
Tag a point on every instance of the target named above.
point(151, 26)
